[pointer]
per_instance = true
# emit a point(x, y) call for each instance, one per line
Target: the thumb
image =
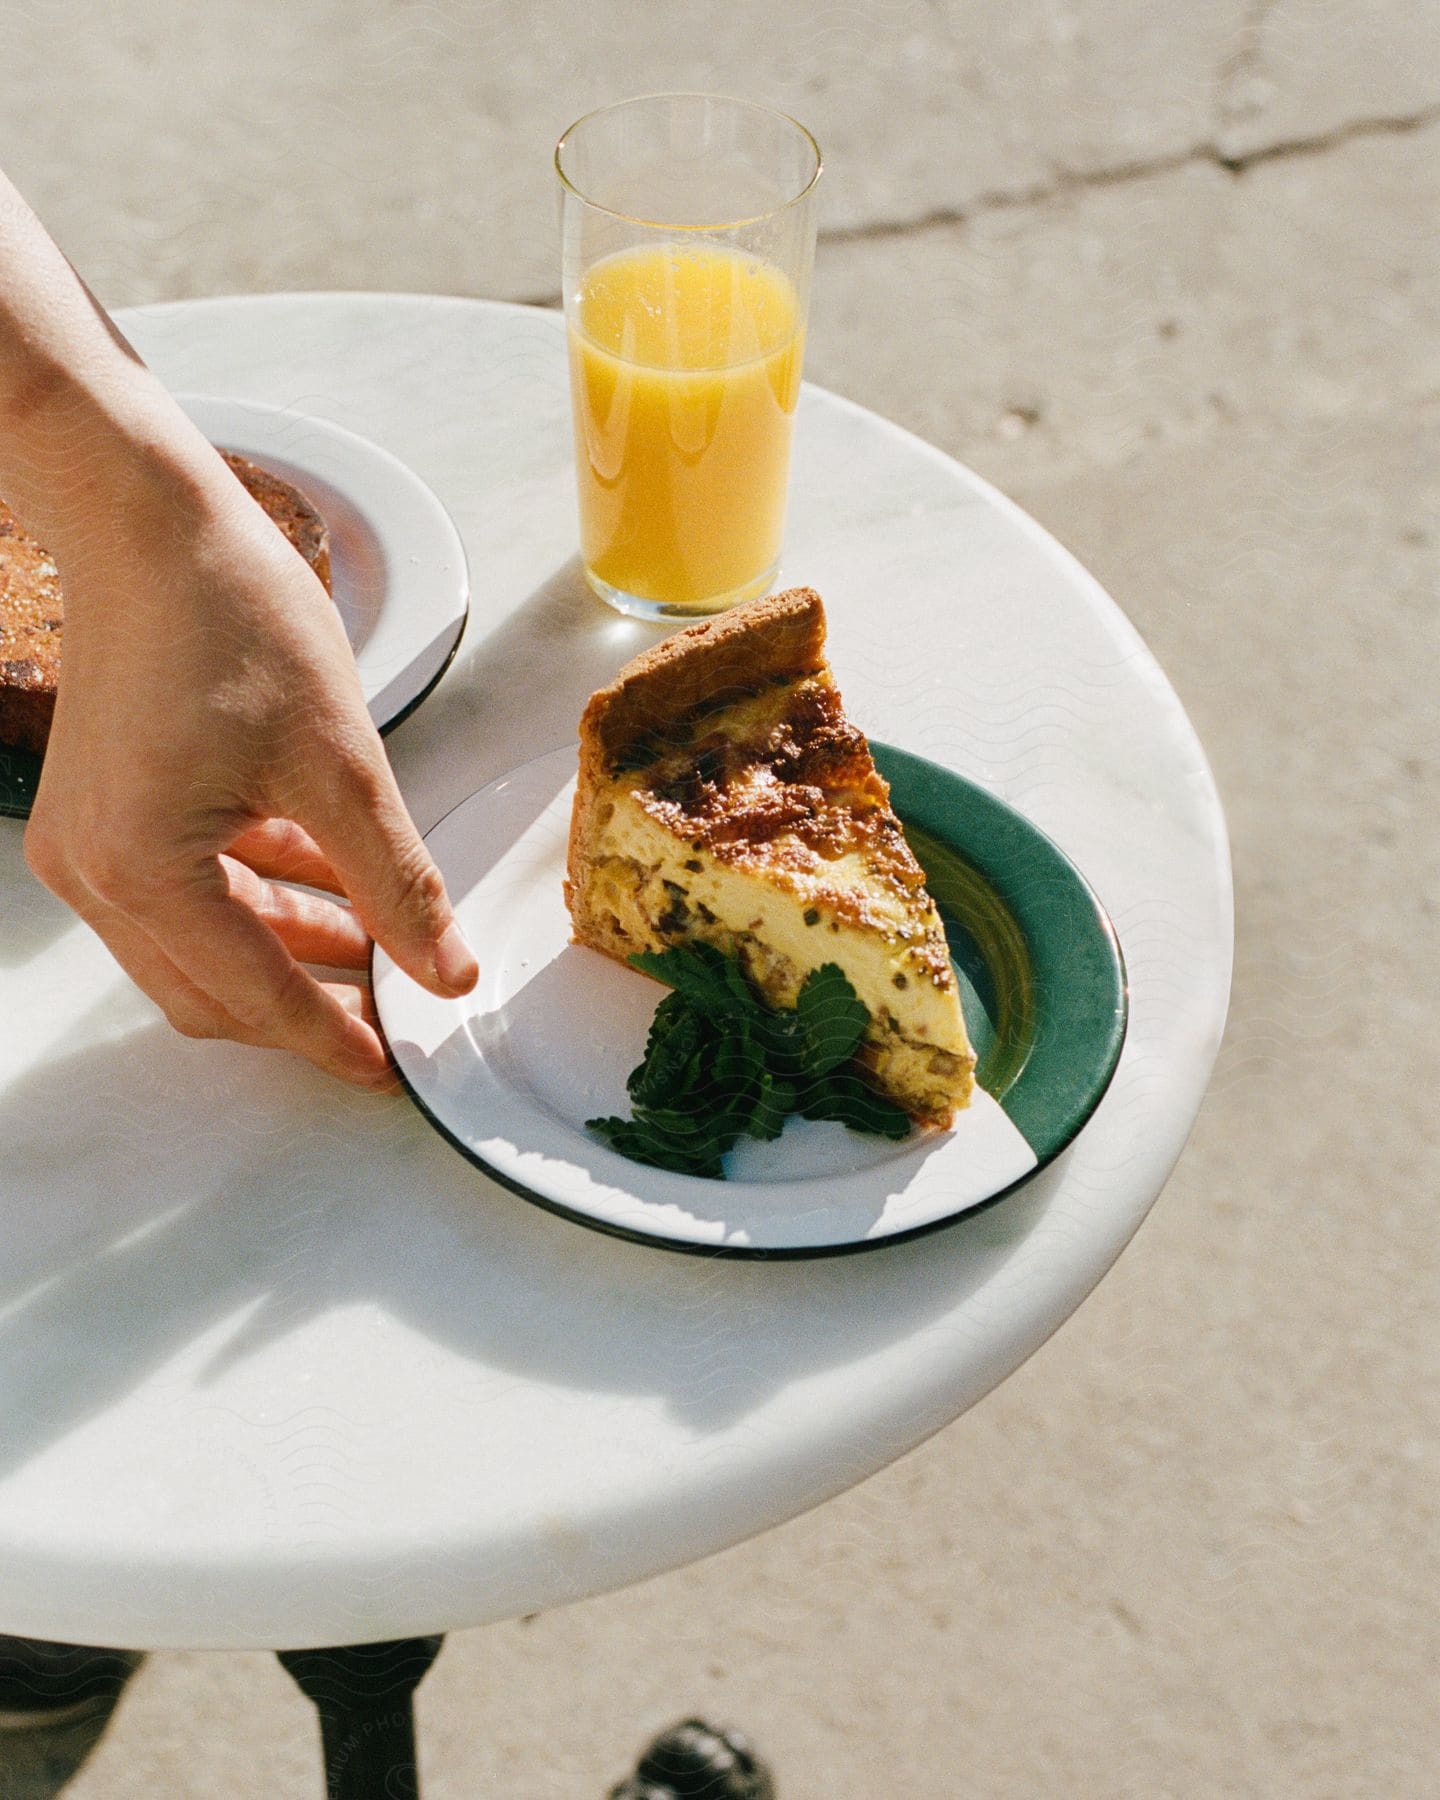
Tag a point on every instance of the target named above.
point(393, 884)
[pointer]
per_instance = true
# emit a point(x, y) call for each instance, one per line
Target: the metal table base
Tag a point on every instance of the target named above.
point(364, 1695)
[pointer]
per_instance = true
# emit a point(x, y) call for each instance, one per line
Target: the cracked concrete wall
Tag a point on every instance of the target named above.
point(181, 151)
point(1308, 67)
point(1121, 315)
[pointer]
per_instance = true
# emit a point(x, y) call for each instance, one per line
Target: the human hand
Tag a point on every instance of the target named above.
point(210, 741)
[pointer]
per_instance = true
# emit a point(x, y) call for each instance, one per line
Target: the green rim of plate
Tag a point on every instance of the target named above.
point(1041, 973)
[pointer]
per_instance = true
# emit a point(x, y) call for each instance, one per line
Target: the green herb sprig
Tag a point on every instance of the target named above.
point(720, 1064)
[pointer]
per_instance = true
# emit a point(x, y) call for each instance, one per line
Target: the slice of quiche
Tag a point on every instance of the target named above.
point(724, 796)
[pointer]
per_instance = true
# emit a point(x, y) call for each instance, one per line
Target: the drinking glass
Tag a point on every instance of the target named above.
point(688, 234)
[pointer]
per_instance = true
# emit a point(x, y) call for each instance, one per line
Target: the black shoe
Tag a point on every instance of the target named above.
point(696, 1761)
point(44, 1684)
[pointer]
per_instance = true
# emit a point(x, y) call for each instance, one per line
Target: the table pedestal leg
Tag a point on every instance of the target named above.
point(364, 1694)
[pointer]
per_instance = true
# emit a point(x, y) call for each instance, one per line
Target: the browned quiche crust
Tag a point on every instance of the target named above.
point(665, 690)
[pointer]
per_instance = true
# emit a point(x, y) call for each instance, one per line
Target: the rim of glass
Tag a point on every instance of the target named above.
point(670, 224)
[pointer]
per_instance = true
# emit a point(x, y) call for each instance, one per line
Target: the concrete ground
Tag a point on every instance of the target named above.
point(1168, 275)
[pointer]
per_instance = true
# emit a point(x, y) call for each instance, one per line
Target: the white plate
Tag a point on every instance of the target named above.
point(510, 1073)
point(397, 565)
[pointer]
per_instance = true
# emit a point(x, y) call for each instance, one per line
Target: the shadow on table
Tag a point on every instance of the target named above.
point(177, 1190)
point(518, 686)
point(310, 1199)
point(31, 919)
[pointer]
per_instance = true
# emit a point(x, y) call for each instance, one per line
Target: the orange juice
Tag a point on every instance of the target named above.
point(685, 371)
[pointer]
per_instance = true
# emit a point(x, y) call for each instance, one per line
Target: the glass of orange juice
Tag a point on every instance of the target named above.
point(688, 227)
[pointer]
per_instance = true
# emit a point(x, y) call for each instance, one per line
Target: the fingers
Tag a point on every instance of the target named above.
point(359, 1002)
point(281, 849)
point(233, 957)
point(192, 1013)
point(238, 976)
point(219, 970)
point(196, 1014)
point(393, 885)
point(312, 930)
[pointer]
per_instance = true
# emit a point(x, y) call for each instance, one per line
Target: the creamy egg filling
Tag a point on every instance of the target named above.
point(650, 888)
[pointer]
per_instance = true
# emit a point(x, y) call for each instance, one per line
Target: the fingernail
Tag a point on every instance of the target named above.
point(455, 962)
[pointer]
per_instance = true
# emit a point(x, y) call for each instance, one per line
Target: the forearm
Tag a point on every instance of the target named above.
point(83, 423)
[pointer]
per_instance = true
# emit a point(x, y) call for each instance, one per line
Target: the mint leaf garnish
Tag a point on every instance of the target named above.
point(774, 1102)
point(831, 1019)
point(641, 1142)
point(706, 977)
point(675, 1036)
point(719, 1062)
point(845, 1098)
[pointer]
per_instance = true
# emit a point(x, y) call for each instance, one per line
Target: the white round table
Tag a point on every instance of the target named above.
point(278, 1367)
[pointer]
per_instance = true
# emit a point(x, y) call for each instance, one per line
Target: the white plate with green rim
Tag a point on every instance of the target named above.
point(510, 1072)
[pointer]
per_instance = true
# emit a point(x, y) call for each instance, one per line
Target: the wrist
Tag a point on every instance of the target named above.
point(85, 450)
